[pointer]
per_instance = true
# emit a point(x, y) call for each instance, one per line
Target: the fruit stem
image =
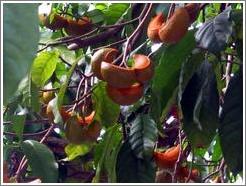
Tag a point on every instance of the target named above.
point(136, 30)
point(171, 10)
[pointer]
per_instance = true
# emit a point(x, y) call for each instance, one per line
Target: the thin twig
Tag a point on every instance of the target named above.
point(171, 10)
point(135, 31)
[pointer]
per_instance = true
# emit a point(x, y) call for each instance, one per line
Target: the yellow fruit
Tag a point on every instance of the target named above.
point(47, 96)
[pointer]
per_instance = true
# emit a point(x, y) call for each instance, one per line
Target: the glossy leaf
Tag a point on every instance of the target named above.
point(213, 35)
point(165, 81)
point(43, 67)
point(130, 169)
point(41, 160)
point(73, 150)
point(200, 106)
point(20, 42)
point(231, 124)
point(106, 153)
point(143, 136)
point(107, 111)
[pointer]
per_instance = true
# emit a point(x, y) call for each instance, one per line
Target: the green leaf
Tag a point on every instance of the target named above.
point(169, 61)
point(130, 169)
point(107, 112)
point(63, 88)
point(106, 153)
point(96, 15)
point(67, 55)
point(41, 161)
point(217, 152)
point(18, 125)
point(73, 150)
point(115, 11)
point(143, 136)
point(231, 124)
point(43, 67)
point(35, 100)
point(61, 70)
point(20, 42)
point(200, 106)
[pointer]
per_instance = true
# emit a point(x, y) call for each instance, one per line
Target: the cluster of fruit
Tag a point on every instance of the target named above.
point(77, 128)
point(166, 162)
point(72, 27)
point(172, 30)
point(125, 86)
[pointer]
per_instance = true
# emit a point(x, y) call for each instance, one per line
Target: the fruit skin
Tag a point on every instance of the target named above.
point(47, 96)
point(118, 77)
point(87, 120)
point(193, 10)
point(184, 173)
point(77, 133)
point(58, 22)
point(154, 26)
point(104, 54)
point(168, 158)
point(125, 96)
point(144, 68)
point(80, 27)
point(174, 29)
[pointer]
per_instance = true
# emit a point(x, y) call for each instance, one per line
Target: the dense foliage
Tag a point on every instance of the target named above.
point(123, 92)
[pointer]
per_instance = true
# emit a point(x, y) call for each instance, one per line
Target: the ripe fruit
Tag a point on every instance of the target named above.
point(47, 96)
point(154, 26)
point(168, 158)
point(53, 21)
point(77, 133)
point(116, 76)
point(193, 11)
point(144, 68)
point(184, 173)
point(104, 54)
point(87, 120)
point(174, 29)
point(125, 96)
point(79, 27)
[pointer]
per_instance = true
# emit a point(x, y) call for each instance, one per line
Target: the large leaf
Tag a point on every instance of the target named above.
point(107, 112)
point(166, 78)
point(188, 68)
point(20, 41)
point(106, 153)
point(130, 169)
point(143, 136)
point(231, 124)
point(41, 160)
point(213, 35)
point(200, 106)
point(43, 67)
